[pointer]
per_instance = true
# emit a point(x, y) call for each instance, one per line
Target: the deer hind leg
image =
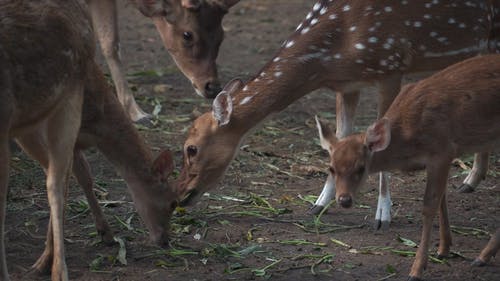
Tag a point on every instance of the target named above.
point(489, 251)
point(477, 174)
point(81, 170)
point(105, 22)
point(346, 104)
point(437, 177)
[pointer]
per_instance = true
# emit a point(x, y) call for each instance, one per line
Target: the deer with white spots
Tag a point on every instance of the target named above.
point(55, 103)
point(344, 46)
point(454, 112)
point(191, 31)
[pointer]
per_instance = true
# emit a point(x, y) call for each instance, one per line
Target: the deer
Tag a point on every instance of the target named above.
point(190, 30)
point(56, 103)
point(345, 46)
point(449, 114)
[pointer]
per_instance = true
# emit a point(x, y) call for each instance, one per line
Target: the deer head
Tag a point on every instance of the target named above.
point(156, 203)
point(191, 30)
point(350, 157)
point(210, 146)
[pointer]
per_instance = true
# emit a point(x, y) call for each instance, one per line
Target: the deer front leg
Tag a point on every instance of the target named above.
point(325, 197)
point(4, 179)
point(489, 251)
point(477, 174)
point(444, 229)
point(105, 22)
point(388, 89)
point(346, 104)
point(437, 176)
point(81, 170)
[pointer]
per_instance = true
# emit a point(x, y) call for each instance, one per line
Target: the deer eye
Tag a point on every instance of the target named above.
point(191, 150)
point(187, 36)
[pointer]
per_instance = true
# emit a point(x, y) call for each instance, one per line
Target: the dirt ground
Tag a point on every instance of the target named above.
point(255, 225)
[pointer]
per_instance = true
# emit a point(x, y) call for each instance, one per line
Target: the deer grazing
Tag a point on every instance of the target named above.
point(429, 124)
point(191, 31)
point(56, 103)
point(345, 46)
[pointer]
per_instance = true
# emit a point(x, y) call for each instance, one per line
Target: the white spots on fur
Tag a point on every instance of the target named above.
point(305, 30)
point(451, 21)
point(289, 44)
point(276, 59)
point(332, 16)
point(346, 8)
point(316, 7)
point(383, 62)
point(337, 56)
point(359, 61)
point(373, 39)
point(388, 9)
point(314, 21)
point(427, 16)
point(352, 28)
point(299, 27)
point(462, 25)
point(433, 33)
point(417, 24)
point(404, 2)
point(262, 74)
point(245, 88)
point(359, 46)
point(323, 11)
point(278, 74)
point(245, 100)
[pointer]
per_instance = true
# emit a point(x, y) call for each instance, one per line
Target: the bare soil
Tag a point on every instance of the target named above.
point(255, 226)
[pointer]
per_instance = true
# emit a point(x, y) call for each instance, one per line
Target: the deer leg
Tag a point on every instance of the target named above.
point(437, 176)
point(489, 251)
point(444, 229)
point(4, 179)
point(81, 170)
point(325, 197)
point(388, 89)
point(61, 132)
point(105, 22)
point(34, 143)
point(477, 174)
point(346, 109)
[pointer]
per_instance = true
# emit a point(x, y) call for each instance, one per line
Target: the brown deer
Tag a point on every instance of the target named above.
point(191, 31)
point(453, 112)
point(56, 102)
point(345, 46)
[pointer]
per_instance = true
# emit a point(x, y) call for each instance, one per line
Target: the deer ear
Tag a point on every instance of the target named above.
point(378, 135)
point(163, 165)
point(191, 4)
point(150, 8)
point(222, 108)
point(233, 85)
point(226, 4)
point(326, 136)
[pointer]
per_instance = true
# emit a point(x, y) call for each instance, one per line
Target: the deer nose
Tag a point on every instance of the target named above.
point(345, 200)
point(212, 89)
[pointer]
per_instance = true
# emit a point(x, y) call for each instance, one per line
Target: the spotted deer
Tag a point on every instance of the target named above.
point(344, 46)
point(191, 31)
point(453, 112)
point(56, 102)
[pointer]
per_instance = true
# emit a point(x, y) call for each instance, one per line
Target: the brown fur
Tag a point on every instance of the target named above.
point(431, 122)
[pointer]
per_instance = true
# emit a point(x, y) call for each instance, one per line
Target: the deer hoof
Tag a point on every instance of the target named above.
point(315, 210)
point(478, 263)
point(381, 225)
point(465, 188)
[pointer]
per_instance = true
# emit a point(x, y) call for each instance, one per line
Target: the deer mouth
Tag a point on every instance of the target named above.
point(189, 198)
